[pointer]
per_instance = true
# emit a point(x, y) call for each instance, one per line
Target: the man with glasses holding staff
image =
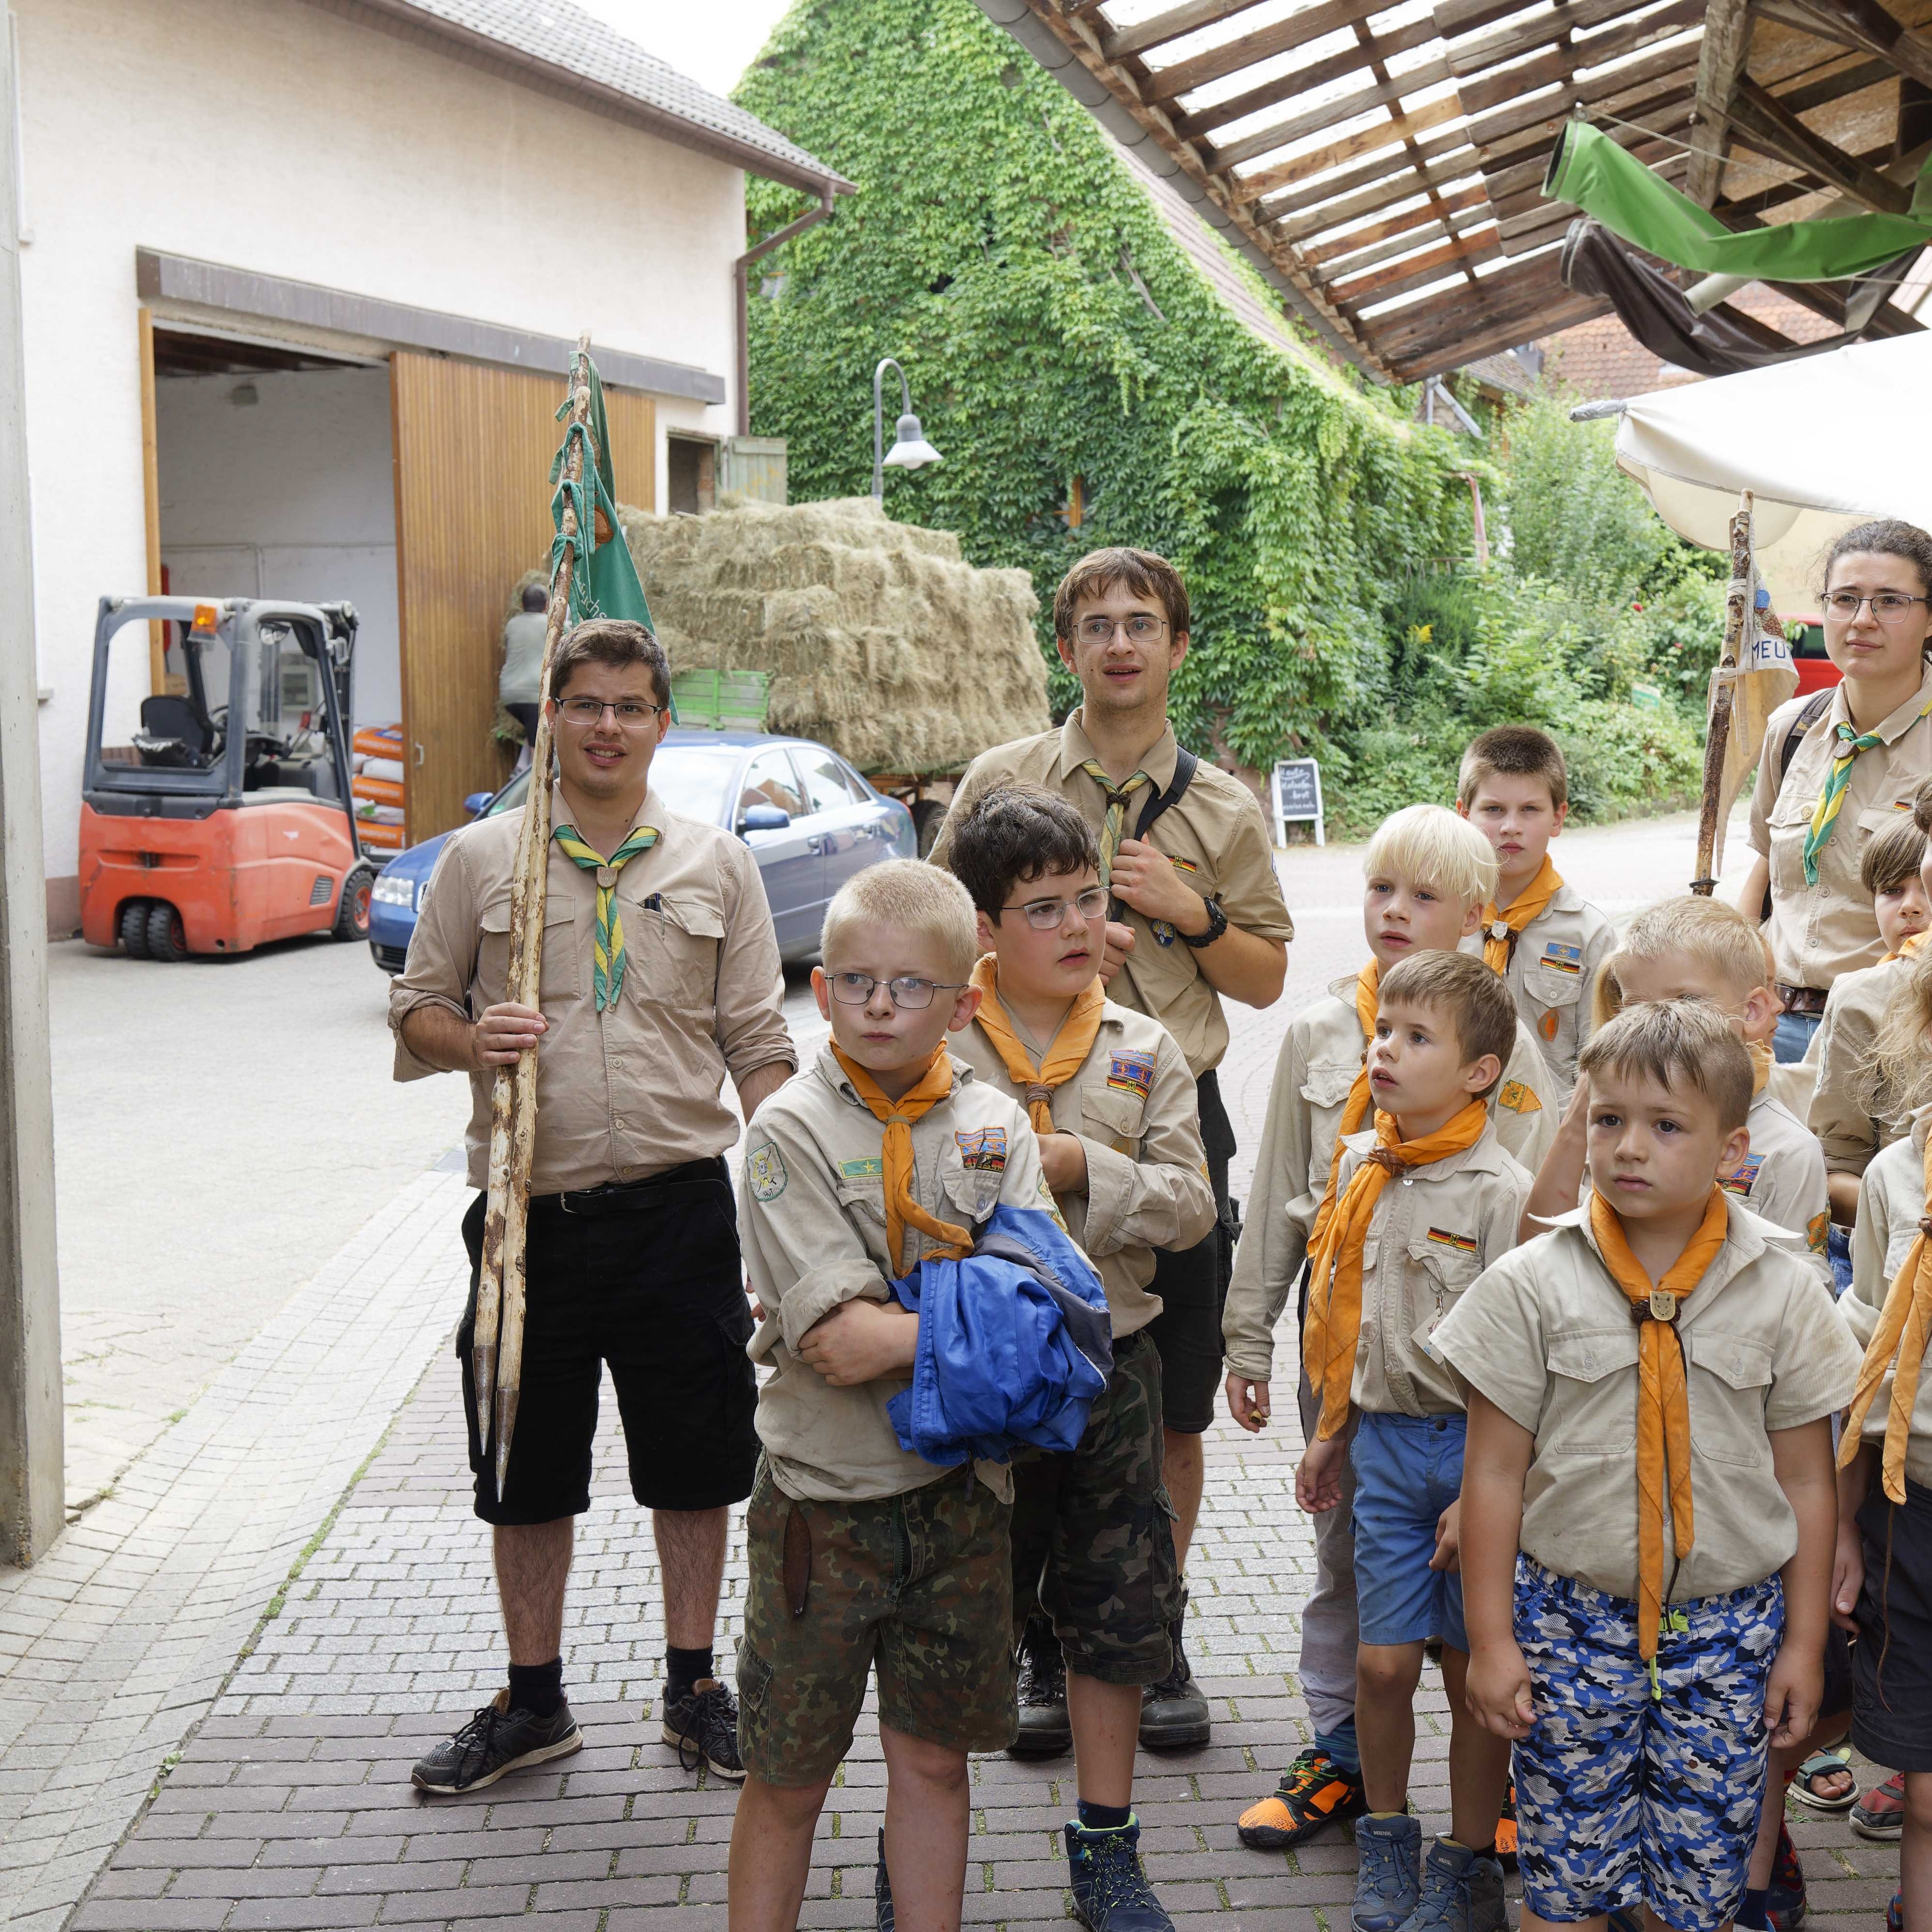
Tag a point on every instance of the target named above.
point(661, 976)
point(1195, 915)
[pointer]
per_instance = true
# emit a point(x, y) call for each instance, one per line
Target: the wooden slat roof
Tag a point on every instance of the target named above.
point(1382, 163)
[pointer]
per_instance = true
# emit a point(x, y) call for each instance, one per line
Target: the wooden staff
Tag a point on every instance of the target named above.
point(497, 1350)
point(1737, 612)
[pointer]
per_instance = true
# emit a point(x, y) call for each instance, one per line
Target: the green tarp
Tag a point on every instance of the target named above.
point(603, 580)
point(1590, 170)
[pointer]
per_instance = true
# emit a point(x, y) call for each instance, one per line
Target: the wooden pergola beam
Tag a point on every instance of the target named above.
point(1304, 80)
point(1869, 27)
point(1473, 195)
point(1416, 271)
point(1397, 128)
point(1118, 43)
point(1720, 61)
point(1482, 92)
point(1327, 114)
point(1282, 37)
point(1763, 122)
point(1308, 211)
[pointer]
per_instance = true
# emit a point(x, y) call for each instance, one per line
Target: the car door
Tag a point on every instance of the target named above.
point(844, 817)
point(789, 862)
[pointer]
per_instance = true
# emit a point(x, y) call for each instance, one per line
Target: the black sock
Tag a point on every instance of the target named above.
point(537, 1687)
point(1104, 1817)
point(682, 1668)
point(1752, 1913)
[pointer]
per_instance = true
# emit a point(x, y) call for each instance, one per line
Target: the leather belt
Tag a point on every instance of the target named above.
point(1801, 999)
point(630, 1197)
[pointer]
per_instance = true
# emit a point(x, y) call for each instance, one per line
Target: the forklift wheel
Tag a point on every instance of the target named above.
point(134, 928)
point(165, 938)
point(352, 911)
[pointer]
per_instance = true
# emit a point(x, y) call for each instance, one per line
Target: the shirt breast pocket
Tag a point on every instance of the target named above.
point(1441, 1270)
point(1729, 1384)
point(1550, 986)
point(561, 979)
point(1596, 1408)
point(670, 953)
point(1115, 1119)
point(973, 1189)
point(1789, 827)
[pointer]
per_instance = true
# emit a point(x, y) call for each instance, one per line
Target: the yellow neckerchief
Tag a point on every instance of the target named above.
point(1064, 1057)
point(1847, 742)
point(1355, 1108)
point(935, 1085)
point(1500, 930)
point(1908, 949)
point(1334, 1324)
point(1663, 1404)
point(1901, 1331)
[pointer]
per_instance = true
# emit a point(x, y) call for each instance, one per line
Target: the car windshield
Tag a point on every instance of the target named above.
point(692, 779)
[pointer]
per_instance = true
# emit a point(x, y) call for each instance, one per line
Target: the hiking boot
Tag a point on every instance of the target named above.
point(1111, 1892)
point(495, 1741)
point(1880, 1814)
point(1388, 1881)
point(1461, 1892)
point(1045, 1730)
point(1784, 1901)
point(1174, 1713)
point(703, 1725)
point(882, 1889)
point(1315, 1793)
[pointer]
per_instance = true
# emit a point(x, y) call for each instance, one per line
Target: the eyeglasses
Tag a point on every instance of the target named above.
point(855, 989)
point(1888, 607)
point(1141, 629)
point(631, 716)
point(1043, 915)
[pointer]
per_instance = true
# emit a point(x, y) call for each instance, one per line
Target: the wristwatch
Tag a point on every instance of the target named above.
point(1217, 924)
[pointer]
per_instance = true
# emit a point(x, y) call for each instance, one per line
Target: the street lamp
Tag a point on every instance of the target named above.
point(910, 449)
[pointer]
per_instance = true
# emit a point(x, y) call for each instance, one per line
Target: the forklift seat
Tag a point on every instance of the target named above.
point(176, 718)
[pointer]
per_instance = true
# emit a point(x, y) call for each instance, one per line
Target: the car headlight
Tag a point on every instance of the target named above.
point(387, 891)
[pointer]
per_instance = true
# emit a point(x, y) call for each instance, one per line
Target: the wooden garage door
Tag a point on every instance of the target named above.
point(473, 447)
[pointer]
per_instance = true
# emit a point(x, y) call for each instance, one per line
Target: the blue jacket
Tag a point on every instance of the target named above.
point(1014, 1345)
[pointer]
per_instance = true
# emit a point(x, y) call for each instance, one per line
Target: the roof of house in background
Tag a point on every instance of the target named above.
point(557, 47)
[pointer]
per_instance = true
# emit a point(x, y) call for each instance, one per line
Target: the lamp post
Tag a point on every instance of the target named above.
point(910, 449)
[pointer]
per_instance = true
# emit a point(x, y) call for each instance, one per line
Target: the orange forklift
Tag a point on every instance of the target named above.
point(225, 819)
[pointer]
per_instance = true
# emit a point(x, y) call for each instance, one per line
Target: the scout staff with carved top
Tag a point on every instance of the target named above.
point(1427, 874)
point(1648, 1511)
point(1539, 932)
point(660, 977)
point(1834, 774)
point(1196, 917)
point(1109, 1093)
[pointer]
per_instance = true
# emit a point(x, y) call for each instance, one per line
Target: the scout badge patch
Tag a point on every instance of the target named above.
point(1130, 1073)
point(983, 1149)
point(1561, 958)
point(765, 1169)
point(872, 1169)
point(1463, 1244)
point(1741, 1183)
point(1817, 1231)
point(1518, 1098)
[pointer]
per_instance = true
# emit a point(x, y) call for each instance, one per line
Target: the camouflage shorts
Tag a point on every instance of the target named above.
point(916, 1583)
point(1093, 1532)
point(1623, 1797)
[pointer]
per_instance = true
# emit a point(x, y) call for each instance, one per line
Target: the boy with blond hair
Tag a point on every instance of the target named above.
point(1649, 1511)
point(1429, 873)
point(886, 1152)
point(1692, 948)
point(1112, 1101)
point(1387, 1264)
point(1544, 937)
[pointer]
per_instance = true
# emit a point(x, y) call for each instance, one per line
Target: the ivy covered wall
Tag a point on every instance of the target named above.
point(1052, 329)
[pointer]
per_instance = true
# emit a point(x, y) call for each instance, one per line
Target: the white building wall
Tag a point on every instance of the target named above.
point(277, 136)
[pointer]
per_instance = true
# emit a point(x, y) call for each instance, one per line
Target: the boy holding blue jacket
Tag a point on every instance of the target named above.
point(1111, 1097)
point(886, 1152)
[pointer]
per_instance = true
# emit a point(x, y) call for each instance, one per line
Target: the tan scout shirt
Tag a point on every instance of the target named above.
point(1322, 1054)
point(1550, 974)
point(1434, 1230)
point(1782, 1181)
point(811, 1201)
point(1853, 1008)
point(1547, 1335)
point(1819, 931)
point(1890, 1202)
point(1132, 1105)
point(1217, 839)
point(634, 1090)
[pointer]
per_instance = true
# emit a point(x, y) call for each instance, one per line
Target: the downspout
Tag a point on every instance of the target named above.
point(740, 279)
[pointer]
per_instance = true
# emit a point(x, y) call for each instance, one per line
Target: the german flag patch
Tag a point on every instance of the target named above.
point(1561, 958)
point(984, 1149)
point(1131, 1073)
point(1463, 1244)
point(1189, 866)
point(1742, 1183)
point(1518, 1098)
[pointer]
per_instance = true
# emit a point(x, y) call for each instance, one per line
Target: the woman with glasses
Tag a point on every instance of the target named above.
point(1830, 780)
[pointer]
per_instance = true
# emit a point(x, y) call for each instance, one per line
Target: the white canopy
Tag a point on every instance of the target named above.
point(1823, 441)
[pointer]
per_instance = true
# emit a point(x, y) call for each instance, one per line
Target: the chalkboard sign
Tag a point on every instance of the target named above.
point(1297, 793)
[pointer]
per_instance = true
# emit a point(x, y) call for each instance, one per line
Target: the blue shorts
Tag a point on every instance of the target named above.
point(1838, 1246)
point(1791, 1039)
point(1408, 1470)
point(1623, 1797)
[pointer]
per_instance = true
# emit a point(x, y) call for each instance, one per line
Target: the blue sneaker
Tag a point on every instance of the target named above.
point(1388, 1881)
point(1111, 1892)
point(1461, 1892)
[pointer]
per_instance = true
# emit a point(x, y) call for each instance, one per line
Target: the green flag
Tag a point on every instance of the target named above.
point(603, 580)
point(1589, 169)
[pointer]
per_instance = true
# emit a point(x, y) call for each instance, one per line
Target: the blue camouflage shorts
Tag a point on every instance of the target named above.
point(1624, 1798)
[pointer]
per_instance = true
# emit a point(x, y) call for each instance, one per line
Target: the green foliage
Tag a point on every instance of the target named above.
point(1052, 328)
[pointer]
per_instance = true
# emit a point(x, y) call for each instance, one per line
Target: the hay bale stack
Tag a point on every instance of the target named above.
point(878, 638)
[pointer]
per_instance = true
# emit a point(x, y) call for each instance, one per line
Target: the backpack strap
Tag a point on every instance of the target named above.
point(1815, 707)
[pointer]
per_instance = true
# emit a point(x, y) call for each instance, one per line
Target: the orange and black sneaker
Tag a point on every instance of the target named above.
point(1506, 1829)
point(1314, 1792)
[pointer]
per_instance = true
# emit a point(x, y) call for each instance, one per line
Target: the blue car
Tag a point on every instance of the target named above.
point(809, 818)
